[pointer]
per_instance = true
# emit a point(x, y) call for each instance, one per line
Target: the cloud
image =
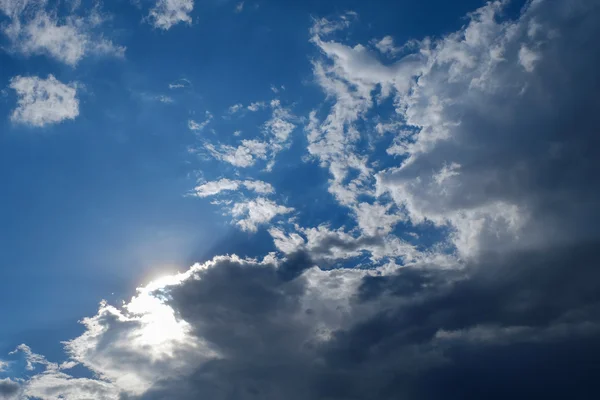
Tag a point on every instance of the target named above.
point(9, 389)
point(280, 125)
point(386, 46)
point(43, 102)
point(222, 185)
point(167, 13)
point(235, 108)
point(528, 58)
point(243, 156)
point(199, 126)
point(256, 106)
point(250, 214)
point(180, 84)
point(55, 385)
point(330, 246)
point(277, 130)
point(33, 30)
point(475, 160)
point(284, 327)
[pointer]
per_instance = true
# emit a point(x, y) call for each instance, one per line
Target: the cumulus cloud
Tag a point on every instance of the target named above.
point(43, 102)
point(32, 30)
point(167, 13)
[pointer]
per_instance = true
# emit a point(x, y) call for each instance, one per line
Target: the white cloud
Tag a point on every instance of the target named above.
point(528, 58)
point(43, 101)
point(256, 106)
point(280, 125)
point(376, 219)
point(180, 84)
point(199, 126)
point(235, 108)
point(259, 186)
point(56, 385)
point(215, 187)
point(250, 214)
point(239, 7)
point(42, 33)
point(386, 46)
point(167, 13)
point(245, 155)
point(277, 130)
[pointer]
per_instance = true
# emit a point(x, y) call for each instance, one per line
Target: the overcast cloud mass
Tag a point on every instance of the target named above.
point(412, 215)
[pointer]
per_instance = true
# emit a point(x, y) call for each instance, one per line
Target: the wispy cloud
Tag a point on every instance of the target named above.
point(239, 7)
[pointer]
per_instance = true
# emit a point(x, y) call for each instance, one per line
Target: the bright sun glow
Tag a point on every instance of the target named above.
point(161, 330)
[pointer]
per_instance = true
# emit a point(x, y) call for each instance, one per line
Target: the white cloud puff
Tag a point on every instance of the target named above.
point(250, 214)
point(43, 102)
point(223, 185)
point(167, 13)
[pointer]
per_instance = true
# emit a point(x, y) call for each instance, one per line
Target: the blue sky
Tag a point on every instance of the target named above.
point(315, 163)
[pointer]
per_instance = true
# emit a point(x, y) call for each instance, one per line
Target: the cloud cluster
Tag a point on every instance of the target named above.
point(276, 137)
point(43, 101)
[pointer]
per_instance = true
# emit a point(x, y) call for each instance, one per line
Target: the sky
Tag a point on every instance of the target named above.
point(265, 200)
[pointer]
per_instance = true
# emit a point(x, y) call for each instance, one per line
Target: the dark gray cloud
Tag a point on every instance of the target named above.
point(9, 388)
point(420, 324)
